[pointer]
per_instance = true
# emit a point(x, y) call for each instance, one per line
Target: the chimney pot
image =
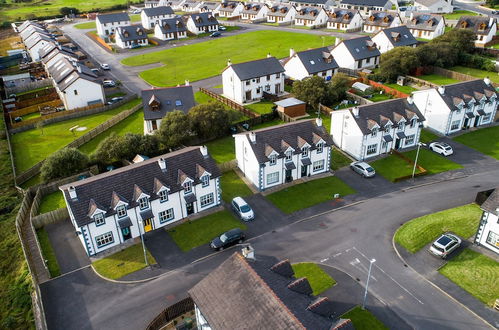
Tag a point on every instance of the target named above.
point(72, 192)
point(355, 111)
point(187, 82)
point(229, 62)
point(204, 151)
point(410, 100)
point(268, 55)
point(162, 164)
point(291, 52)
point(318, 121)
point(441, 90)
point(248, 252)
point(252, 137)
point(486, 80)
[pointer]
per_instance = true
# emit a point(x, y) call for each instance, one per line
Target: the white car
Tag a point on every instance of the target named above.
point(242, 209)
point(105, 66)
point(363, 169)
point(108, 83)
point(441, 148)
point(444, 245)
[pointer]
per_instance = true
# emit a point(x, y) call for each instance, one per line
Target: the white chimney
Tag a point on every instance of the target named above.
point(318, 121)
point(355, 111)
point(252, 137)
point(441, 90)
point(411, 16)
point(72, 192)
point(337, 41)
point(248, 252)
point(162, 164)
point(229, 62)
point(486, 80)
point(491, 21)
point(187, 82)
point(204, 151)
point(291, 52)
point(268, 55)
point(370, 12)
point(410, 100)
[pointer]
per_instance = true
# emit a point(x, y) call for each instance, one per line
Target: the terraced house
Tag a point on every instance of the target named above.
point(344, 20)
point(488, 230)
point(311, 17)
point(379, 20)
point(230, 9)
point(115, 207)
point(280, 13)
point(484, 27)
point(364, 6)
point(254, 11)
point(426, 26)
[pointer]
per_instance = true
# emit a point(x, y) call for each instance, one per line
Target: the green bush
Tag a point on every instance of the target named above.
point(63, 163)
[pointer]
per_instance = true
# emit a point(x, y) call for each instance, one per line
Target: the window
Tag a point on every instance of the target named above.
point(247, 82)
point(455, 125)
point(273, 160)
point(257, 80)
point(384, 144)
point(187, 187)
point(205, 179)
point(374, 132)
point(163, 196)
point(278, 75)
point(401, 126)
point(121, 211)
point(320, 148)
point(143, 203)
point(273, 178)
point(486, 118)
point(371, 149)
point(76, 92)
point(304, 152)
point(99, 219)
point(413, 123)
point(318, 165)
point(104, 239)
point(267, 88)
point(493, 239)
point(268, 77)
point(178, 103)
point(206, 200)
point(387, 128)
point(409, 140)
point(165, 216)
point(258, 90)
point(289, 156)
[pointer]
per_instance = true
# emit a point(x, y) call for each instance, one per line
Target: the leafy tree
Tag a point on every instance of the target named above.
point(116, 147)
point(337, 88)
point(209, 120)
point(398, 61)
point(312, 90)
point(63, 163)
point(69, 10)
point(174, 130)
point(461, 40)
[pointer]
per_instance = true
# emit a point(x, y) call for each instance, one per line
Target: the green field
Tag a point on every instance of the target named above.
point(233, 186)
point(458, 13)
point(319, 280)
point(494, 76)
point(438, 79)
point(52, 202)
point(86, 25)
point(207, 59)
point(485, 140)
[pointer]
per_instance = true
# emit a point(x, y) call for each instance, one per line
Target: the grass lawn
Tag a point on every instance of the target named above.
point(123, 263)
point(52, 202)
point(233, 186)
point(432, 162)
point(364, 320)
point(475, 273)
point(199, 232)
point(207, 59)
point(319, 280)
point(418, 232)
point(274, 122)
point(403, 89)
point(427, 136)
point(135, 18)
point(392, 167)
point(309, 193)
point(438, 79)
point(31, 116)
point(48, 252)
point(484, 140)
point(338, 159)
point(494, 76)
point(222, 150)
point(86, 25)
point(32, 146)
point(261, 107)
point(380, 97)
point(458, 13)
point(32, 182)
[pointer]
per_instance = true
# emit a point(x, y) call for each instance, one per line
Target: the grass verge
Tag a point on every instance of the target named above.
point(48, 252)
point(484, 140)
point(458, 13)
point(364, 320)
point(52, 202)
point(319, 280)
point(427, 136)
point(393, 167)
point(338, 159)
point(233, 186)
point(432, 162)
point(86, 25)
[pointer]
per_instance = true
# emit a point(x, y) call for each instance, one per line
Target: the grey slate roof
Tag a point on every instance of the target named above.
point(37, 37)
point(315, 2)
point(158, 11)
point(204, 19)
point(292, 134)
point(317, 60)
point(423, 21)
point(131, 33)
point(361, 48)
point(171, 98)
point(399, 36)
point(229, 6)
point(380, 18)
point(466, 91)
point(257, 68)
point(50, 51)
point(114, 17)
point(477, 24)
point(31, 30)
point(210, 6)
point(64, 73)
point(27, 24)
point(252, 8)
point(344, 16)
point(289, 102)
point(104, 190)
point(246, 292)
point(170, 25)
point(427, 3)
point(309, 13)
point(379, 113)
point(279, 9)
point(491, 204)
point(367, 3)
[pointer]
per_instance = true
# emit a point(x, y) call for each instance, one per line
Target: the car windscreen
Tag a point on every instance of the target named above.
point(245, 208)
point(223, 238)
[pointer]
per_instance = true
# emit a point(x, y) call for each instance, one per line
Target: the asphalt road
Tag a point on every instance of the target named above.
point(472, 6)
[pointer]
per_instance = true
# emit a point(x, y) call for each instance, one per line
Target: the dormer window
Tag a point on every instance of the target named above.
point(121, 211)
point(289, 156)
point(99, 219)
point(401, 126)
point(387, 128)
point(272, 160)
point(163, 196)
point(320, 148)
point(187, 187)
point(143, 203)
point(205, 179)
point(374, 132)
point(304, 152)
point(413, 122)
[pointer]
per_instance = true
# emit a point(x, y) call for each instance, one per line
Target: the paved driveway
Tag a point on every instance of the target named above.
point(467, 156)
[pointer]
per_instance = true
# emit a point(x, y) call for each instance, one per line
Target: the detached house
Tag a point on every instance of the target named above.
point(131, 36)
point(369, 130)
point(208, 7)
point(312, 62)
point(344, 19)
point(379, 20)
point(280, 13)
point(311, 16)
point(108, 23)
point(246, 82)
point(488, 229)
point(451, 108)
point(202, 23)
point(230, 9)
point(364, 6)
point(326, 4)
point(357, 54)
point(254, 11)
point(398, 36)
point(484, 27)
point(191, 6)
point(426, 26)
point(117, 206)
point(151, 16)
point(169, 29)
point(158, 102)
point(434, 6)
point(275, 155)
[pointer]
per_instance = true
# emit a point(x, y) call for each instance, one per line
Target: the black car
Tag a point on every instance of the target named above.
point(228, 238)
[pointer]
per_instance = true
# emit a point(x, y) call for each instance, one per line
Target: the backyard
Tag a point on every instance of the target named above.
point(438, 79)
point(427, 136)
point(261, 107)
point(364, 320)
point(236, 116)
point(207, 59)
point(52, 202)
point(319, 280)
point(338, 159)
point(418, 232)
point(494, 76)
point(222, 150)
point(484, 140)
point(404, 89)
point(233, 186)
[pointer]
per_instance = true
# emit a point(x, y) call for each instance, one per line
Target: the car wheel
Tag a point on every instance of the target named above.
point(220, 248)
point(240, 241)
point(363, 175)
point(431, 148)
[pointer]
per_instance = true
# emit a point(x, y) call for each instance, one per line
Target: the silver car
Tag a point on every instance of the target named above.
point(363, 169)
point(444, 245)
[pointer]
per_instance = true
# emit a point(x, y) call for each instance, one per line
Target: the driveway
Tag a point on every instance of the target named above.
point(467, 156)
point(367, 187)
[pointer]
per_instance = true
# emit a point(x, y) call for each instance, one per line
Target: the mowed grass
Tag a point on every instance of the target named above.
point(494, 76)
point(338, 159)
point(86, 25)
point(475, 273)
point(33, 146)
point(123, 263)
point(485, 140)
point(52, 202)
point(364, 320)
point(393, 167)
point(233, 186)
point(319, 280)
point(427, 136)
point(309, 193)
point(207, 59)
point(261, 107)
point(438, 79)
point(222, 150)
point(48, 252)
point(195, 233)
point(403, 89)
point(458, 13)
point(418, 232)
point(432, 162)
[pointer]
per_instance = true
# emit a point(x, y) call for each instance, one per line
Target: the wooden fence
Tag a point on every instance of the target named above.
point(456, 75)
point(170, 313)
point(388, 90)
point(35, 93)
point(36, 99)
point(32, 109)
point(230, 103)
point(32, 85)
point(99, 40)
point(349, 72)
point(420, 82)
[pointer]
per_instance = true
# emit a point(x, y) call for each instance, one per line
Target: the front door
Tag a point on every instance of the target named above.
point(304, 170)
point(127, 234)
point(288, 176)
point(466, 123)
point(477, 121)
point(154, 125)
point(147, 225)
point(397, 144)
point(190, 208)
point(248, 95)
point(277, 89)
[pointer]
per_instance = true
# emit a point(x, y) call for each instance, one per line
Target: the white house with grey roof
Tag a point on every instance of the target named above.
point(115, 207)
point(191, 6)
point(326, 4)
point(379, 20)
point(357, 53)
point(312, 62)
point(452, 108)
point(202, 23)
point(311, 17)
point(52, 53)
point(426, 26)
point(281, 13)
point(254, 11)
point(373, 129)
point(275, 155)
point(210, 7)
point(434, 6)
point(484, 27)
point(131, 36)
point(246, 82)
point(398, 36)
point(230, 9)
point(151, 16)
point(345, 19)
point(35, 43)
point(108, 23)
point(169, 29)
point(364, 6)
point(488, 230)
point(157, 102)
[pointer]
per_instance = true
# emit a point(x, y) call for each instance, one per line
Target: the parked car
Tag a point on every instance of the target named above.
point(105, 66)
point(363, 169)
point(444, 245)
point(495, 12)
point(242, 209)
point(109, 83)
point(227, 239)
point(95, 70)
point(215, 34)
point(114, 100)
point(222, 28)
point(441, 148)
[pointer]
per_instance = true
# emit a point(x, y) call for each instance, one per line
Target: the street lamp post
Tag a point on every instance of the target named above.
point(416, 160)
point(367, 283)
point(143, 245)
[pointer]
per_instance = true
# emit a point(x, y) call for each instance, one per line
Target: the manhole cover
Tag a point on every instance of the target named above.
point(79, 129)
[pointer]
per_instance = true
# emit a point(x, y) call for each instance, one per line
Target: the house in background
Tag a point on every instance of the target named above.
point(169, 29)
point(434, 6)
point(247, 81)
point(312, 62)
point(157, 102)
point(151, 16)
point(488, 229)
point(484, 27)
point(452, 108)
point(379, 20)
point(357, 54)
point(275, 155)
point(364, 6)
point(326, 4)
point(230, 9)
point(210, 7)
point(191, 6)
point(344, 20)
point(202, 23)
point(254, 11)
point(426, 26)
point(398, 36)
point(131, 36)
point(108, 23)
point(280, 13)
point(175, 4)
point(311, 16)
point(35, 43)
point(373, 129)
point(115, 207)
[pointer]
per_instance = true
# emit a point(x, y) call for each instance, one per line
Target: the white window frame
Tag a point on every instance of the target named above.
point(409, 140)
point(487, 117)
point(272, 160)
point(187, 187)
point(491, 237)
point(320, 148)
point(143, 203)
point(304, 152)
point(374, 132)
point(371, 149)
point(99, 219)
point(121, 211)
point(289, 156)
point(273, 178)
point(455, 125)
point(401, 126)
point(318, 165)
point(206, 200)
point(166, 215)
point(104, 239)
point(205, 179)
point(163, 196)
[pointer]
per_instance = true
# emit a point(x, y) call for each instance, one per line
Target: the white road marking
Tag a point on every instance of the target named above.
point(337, 254)
point(324, 260)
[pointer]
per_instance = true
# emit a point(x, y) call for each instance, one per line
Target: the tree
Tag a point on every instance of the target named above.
point(461, 40)
point(115, 147)
point(69, 10)
point(312, 90)
point(174, 130)
point(398, 61)
point(111, 149)
point(337, 88)
point(63, 163)
point(209, 120)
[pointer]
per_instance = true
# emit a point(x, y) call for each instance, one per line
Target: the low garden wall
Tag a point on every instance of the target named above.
point(420, 82)
point(456, 75)
point(35, 93)
point(35, 100)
